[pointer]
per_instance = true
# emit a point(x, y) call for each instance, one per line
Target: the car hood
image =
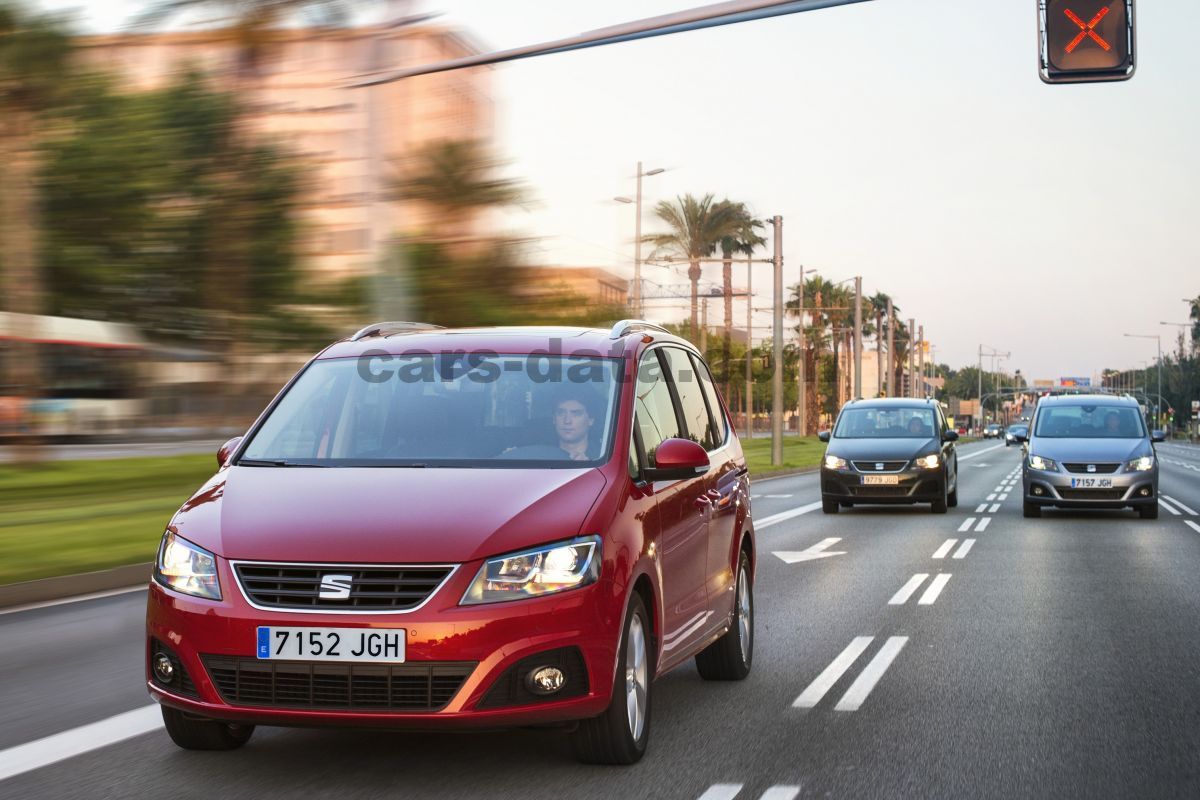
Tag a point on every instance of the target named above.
point(1109, 450)
point(881, 449)
point(385, 515)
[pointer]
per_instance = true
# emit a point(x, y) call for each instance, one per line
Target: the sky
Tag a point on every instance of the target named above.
point(907, 141)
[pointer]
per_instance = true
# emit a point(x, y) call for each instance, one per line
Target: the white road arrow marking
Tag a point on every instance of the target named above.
point(812, 553)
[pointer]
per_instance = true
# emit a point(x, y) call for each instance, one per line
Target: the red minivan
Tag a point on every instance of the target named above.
point(433, 528)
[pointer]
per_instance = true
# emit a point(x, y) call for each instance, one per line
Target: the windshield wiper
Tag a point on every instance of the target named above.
point(270, 462)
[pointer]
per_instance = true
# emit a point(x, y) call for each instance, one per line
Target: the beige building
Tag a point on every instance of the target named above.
point(597, 285)
point(352, 139)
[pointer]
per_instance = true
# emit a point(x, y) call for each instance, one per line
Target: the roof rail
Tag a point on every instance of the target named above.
point(627, 326)
point(387, 328)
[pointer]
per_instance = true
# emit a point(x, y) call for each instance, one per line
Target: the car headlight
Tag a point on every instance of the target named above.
point(833, 462)
point(187, 568)
point(1143, 464)
point(531, 573)
point(930, 461)
point(1046, 464)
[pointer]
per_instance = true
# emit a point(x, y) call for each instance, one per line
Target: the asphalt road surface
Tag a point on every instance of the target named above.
point(975, 654)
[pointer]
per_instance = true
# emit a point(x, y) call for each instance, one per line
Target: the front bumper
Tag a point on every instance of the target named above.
point(912, 486)
point(483, 641)
point(1053, 488)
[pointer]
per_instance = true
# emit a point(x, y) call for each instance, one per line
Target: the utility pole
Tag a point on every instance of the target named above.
point(858, 342)
point(912, 384)
point(879, 353)
point(704, 329)
point(891, 372)
point(635, 296)
point(777, 378)
point(921, 361)
point(802, 418)
point(749, 349)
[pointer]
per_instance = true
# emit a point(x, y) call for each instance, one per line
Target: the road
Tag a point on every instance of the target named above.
point(1056, 657)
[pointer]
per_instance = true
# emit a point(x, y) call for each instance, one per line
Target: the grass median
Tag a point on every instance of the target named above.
point(798, 453)
point(67, 517)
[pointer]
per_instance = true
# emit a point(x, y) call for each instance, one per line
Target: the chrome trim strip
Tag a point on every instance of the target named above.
point(237, 579)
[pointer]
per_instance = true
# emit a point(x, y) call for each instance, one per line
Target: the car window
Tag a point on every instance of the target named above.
point(714, 405)
point(698, 426)
point(1089, 421)
point(886, 423)
point(653, 406)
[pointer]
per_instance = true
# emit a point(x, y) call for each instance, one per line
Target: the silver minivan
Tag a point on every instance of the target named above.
point(1090, 451)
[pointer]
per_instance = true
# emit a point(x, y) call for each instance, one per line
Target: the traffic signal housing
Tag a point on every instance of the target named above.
point(1086, 41)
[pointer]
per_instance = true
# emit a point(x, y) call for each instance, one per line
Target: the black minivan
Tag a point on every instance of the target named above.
point(892, 450)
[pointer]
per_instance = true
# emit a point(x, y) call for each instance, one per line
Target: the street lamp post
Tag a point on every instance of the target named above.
point(1158, 402)
point(891, 348)
point(636, 296)
point(858, 342)
point(777, 378)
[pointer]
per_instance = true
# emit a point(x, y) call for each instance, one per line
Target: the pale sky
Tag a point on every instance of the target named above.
point(909, 141)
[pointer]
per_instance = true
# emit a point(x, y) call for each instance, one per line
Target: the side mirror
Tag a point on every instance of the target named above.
point(677, 460)
point(227, 451)
point(1158, 436)
point(950, 436)
point(823, 436)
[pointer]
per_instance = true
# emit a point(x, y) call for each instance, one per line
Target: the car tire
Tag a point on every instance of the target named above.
point(952, 498)
point(194, 733)
point(846, 504)
point(940, 505)
point(1148, 511)
point(612, 738)
point(829, 506)
point(1031, 510)
point(731, 657)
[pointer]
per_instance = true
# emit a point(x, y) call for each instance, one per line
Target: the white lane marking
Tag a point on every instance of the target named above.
point(775, 519)
point(1003, 497)
point(982, 508)
point(755, 496)
point(141, 587)
point(983, 523)
point(722, 791)
point(77, 741)
point(1170, 508)
point(830, 675)
point(781, 793)
point(853, 699)
point(812, 553)
point(991, 497)
point(906, 591)
point(964, 548)
point(995, 507)
point(1176, 502)
point(935, 588)
point(967, 523)
point(1192, 525)
point(946, 547)
point(777, 496)
point(979, 452)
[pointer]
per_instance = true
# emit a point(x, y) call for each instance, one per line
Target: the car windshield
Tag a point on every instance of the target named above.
point(466, 410)
point(885, 423)
point(1089, 421)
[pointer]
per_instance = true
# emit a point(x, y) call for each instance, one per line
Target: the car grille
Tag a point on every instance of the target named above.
point(1092, 494)
point(880, 491)
point(422, 686)
point(298, 586)
point(888, 466)
point(1101, 469)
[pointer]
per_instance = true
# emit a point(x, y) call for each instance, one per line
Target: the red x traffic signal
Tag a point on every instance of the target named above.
point(1086, 40)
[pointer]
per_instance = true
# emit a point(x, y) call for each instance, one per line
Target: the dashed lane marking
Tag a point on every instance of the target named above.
point(1168, 507)
point(964, 548)
point(995, 507)
point(775, 519)
point(1176, 502)
point(776, 496)
point(831, 674)
point(935, 588)
point(728, 791)
point(1192, 525)
point(908, 589)
point(991, 497)
point(946, 547)
point(1003, 497)
point(983, 523)
point(982, 508)
point(77, 741)
point(857, 694)
point(967, 523)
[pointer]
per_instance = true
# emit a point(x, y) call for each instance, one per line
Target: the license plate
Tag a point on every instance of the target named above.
point(1091, 483)
point(881, 480)
point(378, 645)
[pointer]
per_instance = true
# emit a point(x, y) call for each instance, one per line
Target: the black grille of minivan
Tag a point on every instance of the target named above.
point(872, 466)
point(302, 586)
point(1099, 469)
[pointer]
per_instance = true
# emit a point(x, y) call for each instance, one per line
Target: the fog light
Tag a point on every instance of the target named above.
point(545, 680)
point(164, 670)
point(1144, 491)
point(1039, 491)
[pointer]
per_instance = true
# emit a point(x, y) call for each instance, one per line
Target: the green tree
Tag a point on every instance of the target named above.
point(695, 227)
point(1194, 314)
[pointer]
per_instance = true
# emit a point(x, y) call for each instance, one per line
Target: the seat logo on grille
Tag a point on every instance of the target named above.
point(336, 587)
point(878, 465)
point(1091, 467)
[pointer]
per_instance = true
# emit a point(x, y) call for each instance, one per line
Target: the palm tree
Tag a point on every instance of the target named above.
point(1195, 317)
point(742, 241)
point(455, 177)
point(827, 307)
point(879, 301)
point(34, 60)
point(696, 227)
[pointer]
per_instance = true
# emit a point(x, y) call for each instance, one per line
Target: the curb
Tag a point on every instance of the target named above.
point(26, 592)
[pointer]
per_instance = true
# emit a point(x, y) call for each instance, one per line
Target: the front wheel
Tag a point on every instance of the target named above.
point(194, 733)
point(829, 506)
point(952, 498)
point(730, 657)
point(1031, 510)
point(620, 734)
point(1148, 512)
